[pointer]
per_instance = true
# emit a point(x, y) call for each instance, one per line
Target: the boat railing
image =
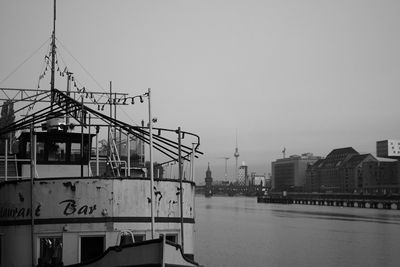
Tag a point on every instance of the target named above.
point(5, 168)
point(115, 166)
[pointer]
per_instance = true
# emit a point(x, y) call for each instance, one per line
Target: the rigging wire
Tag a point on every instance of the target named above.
point(91, 76)
point(59, 108)
point(20, 65)
point(47, 94)
point(41, 76)
point(44, 65)
point(87, 72)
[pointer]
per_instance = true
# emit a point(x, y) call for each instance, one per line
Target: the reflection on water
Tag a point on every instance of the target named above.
point(238, 231)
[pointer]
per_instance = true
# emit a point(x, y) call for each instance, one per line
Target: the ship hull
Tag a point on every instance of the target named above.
point(71, 210)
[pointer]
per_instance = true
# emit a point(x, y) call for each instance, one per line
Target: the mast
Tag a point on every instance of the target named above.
point(53, 52)
point(151, 166)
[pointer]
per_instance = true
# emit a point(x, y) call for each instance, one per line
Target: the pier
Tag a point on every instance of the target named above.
point(339, 200)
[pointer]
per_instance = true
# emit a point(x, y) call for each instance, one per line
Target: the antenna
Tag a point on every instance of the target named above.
point(236, 155)
point(53, 54)
point(284, 152)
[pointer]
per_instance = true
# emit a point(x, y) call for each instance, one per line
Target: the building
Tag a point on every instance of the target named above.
point(388, 149)
point(243, 176)
point(351, 173)
point(381, 177)
point(209, 181)
point(340, 171)
point(289, 174)
point(312, 181)
point(258, 180)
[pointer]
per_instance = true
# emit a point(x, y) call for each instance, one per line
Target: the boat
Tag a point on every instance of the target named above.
point(68, 198)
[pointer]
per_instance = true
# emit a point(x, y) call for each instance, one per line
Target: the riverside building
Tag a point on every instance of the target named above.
point(289, 174)
point(340, 171)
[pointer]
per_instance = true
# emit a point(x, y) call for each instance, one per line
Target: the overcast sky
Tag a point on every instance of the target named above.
point(309, 76)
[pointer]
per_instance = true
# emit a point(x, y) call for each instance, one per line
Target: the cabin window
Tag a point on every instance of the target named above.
point(172, 237)
point(56, 151)
point(139, 238)
point(91, 247)
point(28, 150)
point(40, 156)
point(50, 251)
point(52, 148)
point(75, 152)
point(126, 239)
point(39, 151)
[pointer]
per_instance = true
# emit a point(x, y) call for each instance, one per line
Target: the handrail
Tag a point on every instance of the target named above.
point(15, 159)
point(123, 165)
point(121, 233)
point(7, 159)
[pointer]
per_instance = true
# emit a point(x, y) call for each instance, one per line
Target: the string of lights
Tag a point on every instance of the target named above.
point(64, 104)
point(41, 77)
point(84, 92)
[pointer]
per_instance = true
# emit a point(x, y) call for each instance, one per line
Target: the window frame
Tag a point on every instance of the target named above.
point(135, 234)
point(48, 235)
point(175, 235)
point(86, 235)
point(47, 138)
point(143, 235)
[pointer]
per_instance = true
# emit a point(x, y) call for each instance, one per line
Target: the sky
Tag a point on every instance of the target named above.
point(305, 75)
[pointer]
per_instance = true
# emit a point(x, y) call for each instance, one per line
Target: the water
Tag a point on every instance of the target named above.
point(238, 231)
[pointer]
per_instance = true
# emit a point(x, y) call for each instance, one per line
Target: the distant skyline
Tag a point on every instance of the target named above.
point(308, 75)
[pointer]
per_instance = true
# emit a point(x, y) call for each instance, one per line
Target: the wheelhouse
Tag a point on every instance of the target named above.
point(57, 147)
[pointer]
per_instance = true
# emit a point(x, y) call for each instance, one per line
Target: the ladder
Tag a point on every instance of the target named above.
point(114, 158)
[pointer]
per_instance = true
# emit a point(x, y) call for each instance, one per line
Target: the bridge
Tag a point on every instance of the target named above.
point(334, 199)
point(231, 189)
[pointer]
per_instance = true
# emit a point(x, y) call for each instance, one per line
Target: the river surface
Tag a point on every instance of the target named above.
point(238, 231)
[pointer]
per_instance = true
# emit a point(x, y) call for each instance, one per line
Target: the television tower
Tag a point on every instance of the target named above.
point(236, 155)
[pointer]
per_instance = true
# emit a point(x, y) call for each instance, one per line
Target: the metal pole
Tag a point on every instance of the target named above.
point(128, 152)
point(142, 152)
point(10, 136)
point(180, 183)
point(68, 94)
point(192, 163)
point(97, 153)
point(115, 128)
point(115, 105)
point(35, 154)
point(31, 189)
point(151, 165)
point(89, 145)
point(108, 140)
point(82, 137)
point(53, 55)
point(6, 159)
